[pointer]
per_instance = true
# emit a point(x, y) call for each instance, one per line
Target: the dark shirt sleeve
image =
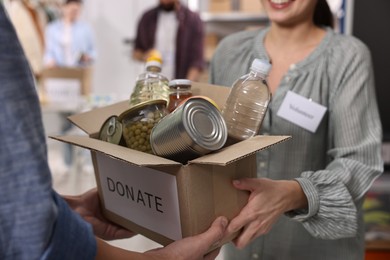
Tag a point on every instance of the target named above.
point(197, 32)
point(189, 43)
point(146, 30)
point(70, 227)
point(140, 38)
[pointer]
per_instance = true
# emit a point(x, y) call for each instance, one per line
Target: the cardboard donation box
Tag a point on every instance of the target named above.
point(160, 198)
point(63, 84)
point(251, 6)
point(220, 6)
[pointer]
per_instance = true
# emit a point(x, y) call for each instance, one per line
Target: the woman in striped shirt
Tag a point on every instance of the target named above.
point(307, 201)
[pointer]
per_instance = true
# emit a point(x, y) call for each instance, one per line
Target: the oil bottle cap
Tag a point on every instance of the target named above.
point(154, 55)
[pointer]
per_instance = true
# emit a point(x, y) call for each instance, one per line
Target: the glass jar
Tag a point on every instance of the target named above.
point(138, 122)
point(179, 90)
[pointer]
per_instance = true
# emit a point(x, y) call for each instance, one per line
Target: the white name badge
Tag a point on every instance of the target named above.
point(301, 111)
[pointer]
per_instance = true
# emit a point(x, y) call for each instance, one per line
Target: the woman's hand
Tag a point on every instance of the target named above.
point(88, 206)
point(268, 200)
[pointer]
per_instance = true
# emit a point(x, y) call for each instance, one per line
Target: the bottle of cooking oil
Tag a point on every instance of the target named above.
point(247, 103)
point(151, 84)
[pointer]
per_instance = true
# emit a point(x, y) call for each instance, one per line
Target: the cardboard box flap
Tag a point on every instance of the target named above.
point(217, 93)
point(116, 151)
point(92, 121)
point(239, 150)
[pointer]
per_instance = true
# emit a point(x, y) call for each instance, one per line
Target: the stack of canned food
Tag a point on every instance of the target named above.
point(196, 127)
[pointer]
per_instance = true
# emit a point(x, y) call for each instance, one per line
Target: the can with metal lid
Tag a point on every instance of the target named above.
point(111, 131)
point(194, 129)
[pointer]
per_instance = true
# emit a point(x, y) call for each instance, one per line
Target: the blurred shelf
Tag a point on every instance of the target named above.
point(377, 219)
point(63, 107)
point(233, 17)
point(378, 245)
point(377, 250)
point(225, 23)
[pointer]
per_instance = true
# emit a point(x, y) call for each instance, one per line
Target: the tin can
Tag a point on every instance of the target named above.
point(111, 131)
point(194, 129)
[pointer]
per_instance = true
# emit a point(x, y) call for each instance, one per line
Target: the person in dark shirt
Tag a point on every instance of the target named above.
point(177, 33)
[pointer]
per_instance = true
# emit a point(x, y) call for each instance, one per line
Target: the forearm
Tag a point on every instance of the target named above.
point(139, 55)
point(295, 197)
point(193, 74)
point(106, 251)
point(195, 247)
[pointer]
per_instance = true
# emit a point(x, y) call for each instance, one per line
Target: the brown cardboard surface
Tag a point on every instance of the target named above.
point(218, 6)
point(217, 93)
point(91, 121)
point(83, 74)
point(116, 151)
point(222, 157)
point(251, 6)
point(211, 193)
point(239, 150)
point(205, 192)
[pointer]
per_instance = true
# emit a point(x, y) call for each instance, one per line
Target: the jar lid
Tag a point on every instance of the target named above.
point(141, 106)
point(179, 82)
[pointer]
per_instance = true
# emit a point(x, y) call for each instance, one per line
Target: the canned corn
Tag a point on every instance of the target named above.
point(194, 129)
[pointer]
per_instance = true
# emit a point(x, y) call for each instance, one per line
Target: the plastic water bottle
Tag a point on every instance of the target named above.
point(150, 85)
point(247, 103)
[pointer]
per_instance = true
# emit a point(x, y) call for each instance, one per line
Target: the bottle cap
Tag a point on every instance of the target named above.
point(176, 82)
point(154, 55)
point(153, 63)
point(261, 66)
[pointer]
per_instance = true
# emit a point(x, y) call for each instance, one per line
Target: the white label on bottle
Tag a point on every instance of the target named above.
point(301, 111)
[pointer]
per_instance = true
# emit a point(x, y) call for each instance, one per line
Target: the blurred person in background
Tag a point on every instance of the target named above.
point(29, 20)
point(307, 200)
point(69, 41)
point(36, 222)
point(177, 34)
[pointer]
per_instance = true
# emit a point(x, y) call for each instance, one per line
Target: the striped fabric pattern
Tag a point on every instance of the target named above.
point(335, 166)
